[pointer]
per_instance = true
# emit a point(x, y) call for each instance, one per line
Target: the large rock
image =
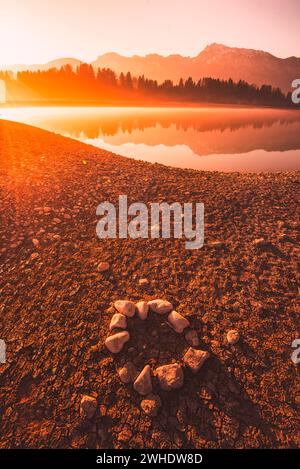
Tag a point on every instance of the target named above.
point(142, 309)
point(178, 322)
point(88, 406)
point(115, 342)
point(160, 306)
point(143, 383)
point(127, 373)
point(233, 336)
point(125, 307)
point(170, 376)
point(118, 321)
point(151, 405)
point(194, 359)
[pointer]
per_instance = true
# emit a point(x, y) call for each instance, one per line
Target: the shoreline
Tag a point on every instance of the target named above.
point(158, 104)
point(56, 305)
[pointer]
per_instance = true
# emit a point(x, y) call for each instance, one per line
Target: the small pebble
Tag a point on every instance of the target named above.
point(233, 337)
point(151, 405)
point(103, 267)
point(35, 242)
point(191, 337)
point(143, 281)
point(261, 243)
point(217, 244)
point(88, 406)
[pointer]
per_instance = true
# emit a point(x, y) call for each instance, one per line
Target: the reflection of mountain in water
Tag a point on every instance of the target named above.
point(205, 131)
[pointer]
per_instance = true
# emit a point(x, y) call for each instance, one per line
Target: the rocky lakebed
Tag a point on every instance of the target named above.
point(141, 343)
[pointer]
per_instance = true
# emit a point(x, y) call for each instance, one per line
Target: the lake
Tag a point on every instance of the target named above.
point(208, 138)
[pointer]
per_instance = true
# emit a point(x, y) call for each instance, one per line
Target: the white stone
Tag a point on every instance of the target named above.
point(160, 306)
point(170, 376)
point(194, 359)
point(115, 342)
point(88, 406)
point(125, 307)
point(178, 322)
point(233, 337)
point(142, 308)
point(118, 321)
point(143, 383)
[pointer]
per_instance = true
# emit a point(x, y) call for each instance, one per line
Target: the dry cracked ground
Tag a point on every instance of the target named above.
point(55, 305)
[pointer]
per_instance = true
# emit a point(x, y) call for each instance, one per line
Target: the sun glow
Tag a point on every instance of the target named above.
point(2, 92)
point(35, 31)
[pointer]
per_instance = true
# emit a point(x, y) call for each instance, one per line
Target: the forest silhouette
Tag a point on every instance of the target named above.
point(85, 85)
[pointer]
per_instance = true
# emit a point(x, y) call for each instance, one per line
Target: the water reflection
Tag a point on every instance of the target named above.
point(213, 138)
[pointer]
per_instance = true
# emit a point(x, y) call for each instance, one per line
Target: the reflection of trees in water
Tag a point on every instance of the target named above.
point(94, 126)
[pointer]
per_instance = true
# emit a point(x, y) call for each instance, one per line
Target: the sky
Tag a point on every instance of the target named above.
point(37, 31)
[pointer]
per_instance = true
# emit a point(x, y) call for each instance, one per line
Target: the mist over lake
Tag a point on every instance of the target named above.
point(208, 138)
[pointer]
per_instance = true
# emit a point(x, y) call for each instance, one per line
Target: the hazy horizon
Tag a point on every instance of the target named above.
point(111, 52)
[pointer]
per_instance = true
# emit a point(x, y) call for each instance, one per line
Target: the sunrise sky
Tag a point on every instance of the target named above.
point(35, 31)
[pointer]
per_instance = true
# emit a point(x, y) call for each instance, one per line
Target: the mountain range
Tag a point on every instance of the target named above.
point(216, 61)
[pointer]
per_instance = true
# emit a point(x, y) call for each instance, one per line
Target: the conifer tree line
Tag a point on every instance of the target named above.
point(84, 84)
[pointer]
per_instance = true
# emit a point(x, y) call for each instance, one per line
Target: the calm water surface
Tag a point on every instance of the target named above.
point(212, 138)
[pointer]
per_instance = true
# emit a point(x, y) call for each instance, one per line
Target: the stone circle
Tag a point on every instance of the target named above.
point(170, 376)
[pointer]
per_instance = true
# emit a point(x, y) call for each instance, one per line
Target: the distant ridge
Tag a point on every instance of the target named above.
point(52, 64)
point(216, 61)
